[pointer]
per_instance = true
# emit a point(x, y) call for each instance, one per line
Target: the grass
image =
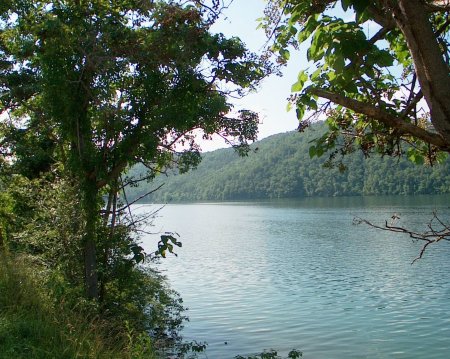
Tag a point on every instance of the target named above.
point(34, 326)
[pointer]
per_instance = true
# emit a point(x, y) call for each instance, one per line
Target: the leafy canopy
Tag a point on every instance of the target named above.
point(102, 85)
point(379, 72)
point(90, 88)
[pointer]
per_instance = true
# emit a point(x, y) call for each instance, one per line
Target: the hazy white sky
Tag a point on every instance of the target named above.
point(270, 99)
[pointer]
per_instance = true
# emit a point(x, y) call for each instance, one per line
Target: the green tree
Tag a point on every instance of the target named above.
point(374, 65)
point(98, 86)
point(281, 168)
point(379, 74)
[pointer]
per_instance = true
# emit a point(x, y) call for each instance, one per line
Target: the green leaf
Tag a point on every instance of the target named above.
point(441, 157)
point(345, 4)
point(312, 151)
point(384, 58)
point(351, 87)
point(319, 151)
point(308, 101)
point(363, 16)
point(309, 27)
point(360, 5)
point(300, 110)
point(331, 76)
point(415, 156)
point(338, 63)
point(301, 79)
point(315, 75)
point(285, 54)
point(318, 45)
point(294, 18)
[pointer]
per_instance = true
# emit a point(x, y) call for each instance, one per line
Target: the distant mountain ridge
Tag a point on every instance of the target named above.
point(280, 167)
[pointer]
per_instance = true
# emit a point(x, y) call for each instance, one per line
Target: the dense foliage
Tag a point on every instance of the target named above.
point(34, 325)
point(88, 89)
point(280, 167)
point(43, 227)
point(378, 71)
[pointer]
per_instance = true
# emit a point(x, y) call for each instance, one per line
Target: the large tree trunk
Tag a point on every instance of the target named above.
point(110, 214)
point(89, 241)
point(1, 240)
point(432, 71)
point(90, 266)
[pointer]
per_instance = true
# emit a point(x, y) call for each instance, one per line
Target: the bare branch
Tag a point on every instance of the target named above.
point(412, 102)
point(422, 251)
point(139, 198)
point(381, 17)
point(442, 28)
point(215, 10)
point(134, 181)
point(431, 236)
point(136, 223)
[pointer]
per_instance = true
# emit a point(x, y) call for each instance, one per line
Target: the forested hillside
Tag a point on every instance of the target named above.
point(280, 167)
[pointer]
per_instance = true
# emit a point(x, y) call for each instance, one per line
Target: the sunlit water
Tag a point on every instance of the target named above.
point(299, 274)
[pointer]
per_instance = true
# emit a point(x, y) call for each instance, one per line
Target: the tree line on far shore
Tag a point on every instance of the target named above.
point(280, 167)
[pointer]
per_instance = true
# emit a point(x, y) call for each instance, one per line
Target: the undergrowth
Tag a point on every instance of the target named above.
point(35, 325)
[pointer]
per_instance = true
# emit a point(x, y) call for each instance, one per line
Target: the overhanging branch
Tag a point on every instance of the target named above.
point(432, 235)
point(384, 117)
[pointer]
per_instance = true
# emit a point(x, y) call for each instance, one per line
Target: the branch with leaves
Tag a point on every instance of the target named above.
point(99, 87)
point(383, 66)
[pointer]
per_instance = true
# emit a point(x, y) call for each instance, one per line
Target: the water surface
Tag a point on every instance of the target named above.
point(299, 274)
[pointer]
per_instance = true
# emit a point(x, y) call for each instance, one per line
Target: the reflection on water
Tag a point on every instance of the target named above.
point(298, 274)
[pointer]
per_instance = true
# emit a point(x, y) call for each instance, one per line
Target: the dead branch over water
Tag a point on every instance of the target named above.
point(437, 230)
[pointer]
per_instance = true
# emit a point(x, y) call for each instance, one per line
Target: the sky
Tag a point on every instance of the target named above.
point(271, 98)
point(270, 101)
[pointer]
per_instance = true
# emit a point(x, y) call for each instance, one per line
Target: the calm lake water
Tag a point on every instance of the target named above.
point(298, 274)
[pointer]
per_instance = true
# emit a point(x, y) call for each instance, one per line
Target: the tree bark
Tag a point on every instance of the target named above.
point(382, 116)
point(1, 240)
point(431, 69)
point(90, 265)
point(90, 194)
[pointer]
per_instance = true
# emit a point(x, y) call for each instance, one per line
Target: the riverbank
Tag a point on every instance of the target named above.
point(34, 325)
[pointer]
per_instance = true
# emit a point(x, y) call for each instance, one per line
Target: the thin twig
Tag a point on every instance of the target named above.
point(139, 198)
point(429, 237)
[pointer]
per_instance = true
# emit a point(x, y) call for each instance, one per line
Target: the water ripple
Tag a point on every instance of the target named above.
point(273, 276)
